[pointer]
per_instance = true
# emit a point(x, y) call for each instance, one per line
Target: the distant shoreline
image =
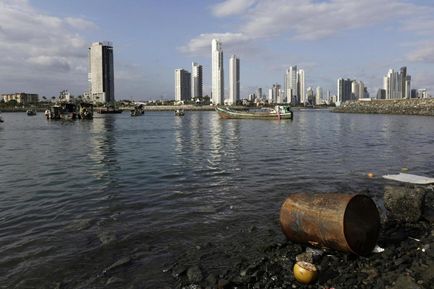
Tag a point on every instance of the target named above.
point(423, 107)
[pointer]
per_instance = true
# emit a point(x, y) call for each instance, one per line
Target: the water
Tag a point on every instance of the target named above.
point(152, 191)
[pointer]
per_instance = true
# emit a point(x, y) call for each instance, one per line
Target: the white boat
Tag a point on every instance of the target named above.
point(279, 112)
point(179, 112)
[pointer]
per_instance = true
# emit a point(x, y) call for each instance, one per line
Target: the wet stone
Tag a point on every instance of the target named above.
point(306, 257)
point(194, 274)
point(211, 279)
point(222, 284)
point(404, 203)
point(405, 282)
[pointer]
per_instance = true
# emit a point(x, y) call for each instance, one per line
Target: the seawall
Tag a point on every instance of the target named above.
point(397, 106)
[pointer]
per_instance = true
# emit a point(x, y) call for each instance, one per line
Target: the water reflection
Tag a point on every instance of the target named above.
point(215, 136)
point(103, 151)
point(197, 123)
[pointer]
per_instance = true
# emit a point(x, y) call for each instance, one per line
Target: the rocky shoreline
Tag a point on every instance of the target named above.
point(407, 262)
point(397, 106)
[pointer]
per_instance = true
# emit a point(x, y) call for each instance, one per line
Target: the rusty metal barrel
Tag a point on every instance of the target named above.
point(345, 222)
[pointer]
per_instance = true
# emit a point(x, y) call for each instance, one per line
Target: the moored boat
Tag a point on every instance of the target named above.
point(137, 112)
point(31, 111)
point(278, 112)
point(63, 111)
point(179, 112)
point(85, 110)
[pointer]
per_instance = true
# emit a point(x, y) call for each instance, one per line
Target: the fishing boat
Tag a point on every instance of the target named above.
point(137, 111)
point(278, 112)
point(85, 110)
point(31, 111)
point(63, 111)
point(179, 112)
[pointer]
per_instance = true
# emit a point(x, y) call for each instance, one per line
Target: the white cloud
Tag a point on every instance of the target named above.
point(80, 23)
point(232, 7)
point(54, 63)
point(202, 43)
point(423, 53)
point(38, 45)
point(312, 20)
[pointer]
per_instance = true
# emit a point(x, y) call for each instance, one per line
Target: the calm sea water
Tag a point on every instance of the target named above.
point(158, 190)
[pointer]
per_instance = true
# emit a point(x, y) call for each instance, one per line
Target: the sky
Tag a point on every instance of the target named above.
point(44, 43)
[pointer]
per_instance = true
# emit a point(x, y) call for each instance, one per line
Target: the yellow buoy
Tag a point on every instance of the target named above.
point(305, 272)
point(370, 175)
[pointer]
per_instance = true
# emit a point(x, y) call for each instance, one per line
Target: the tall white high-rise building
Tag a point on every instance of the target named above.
point(101, 72)
point(294, 85)
point(182, 85)
point(397, 84)
point(291, 85)
point(301, 86)
point(318, 96)
point(196, 80)
point(234, 80)
point(270, 95)
point(274, 94)
point(217, 81)
point(362, 89)
point(355, 90)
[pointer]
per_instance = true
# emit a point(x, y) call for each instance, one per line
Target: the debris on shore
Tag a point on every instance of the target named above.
point(403, 259)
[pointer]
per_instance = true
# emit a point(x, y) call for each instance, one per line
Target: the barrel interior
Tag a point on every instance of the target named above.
point(361, 225)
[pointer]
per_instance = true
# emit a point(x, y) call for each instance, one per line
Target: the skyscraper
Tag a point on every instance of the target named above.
point(295, 85)
point(318, 96)
point(101, 72)
point(397, 84)
point(234, 80)
point(196, 80)
point(301, 86)
point(275, 93)
point(259, 93)
point(182, 85)
point(291, 85)
point(217, 80)
point(344, 90)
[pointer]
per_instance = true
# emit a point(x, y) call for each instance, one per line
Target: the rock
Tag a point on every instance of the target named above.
point(306, 257)
point(404, 204)
point(192, 286)
point(222, 284)
point(177, 271)
point(405, 282)
point(194, 274)
point(426, 273)
point(211, 280)
point(428, 208)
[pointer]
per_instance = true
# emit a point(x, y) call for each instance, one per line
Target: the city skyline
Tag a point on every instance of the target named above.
point(44, 43)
